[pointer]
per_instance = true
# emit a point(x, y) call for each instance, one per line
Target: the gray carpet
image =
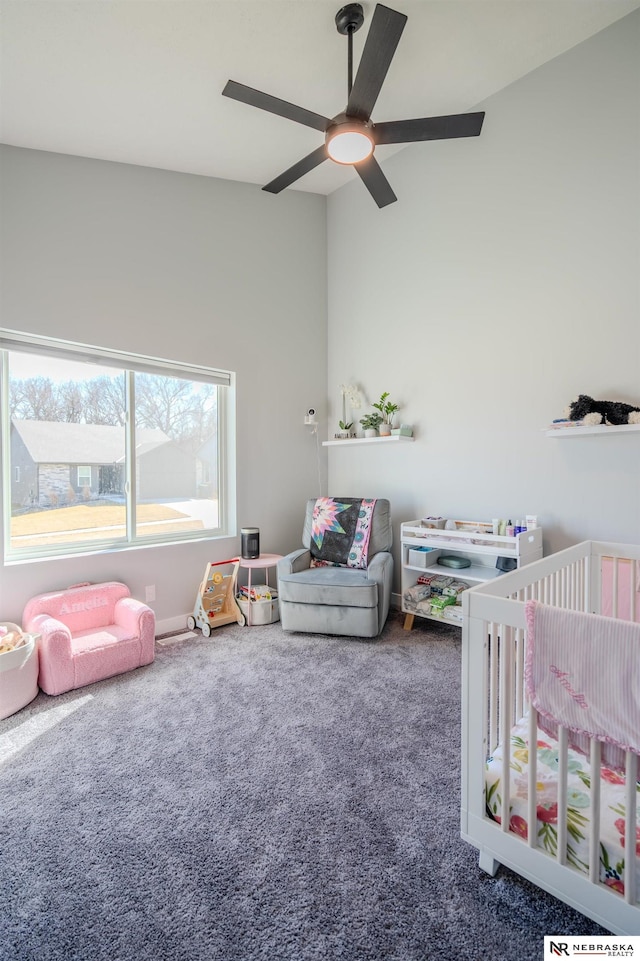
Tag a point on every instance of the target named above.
point(256, 797)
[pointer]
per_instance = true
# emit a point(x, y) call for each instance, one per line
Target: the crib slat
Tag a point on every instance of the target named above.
point(493, 687)
point(563, 747)
point(614, 588)
point(579, 599)
point(594, 827)
point(519, 675)
point(633, 591)
point(532, 778)
point(506, 686)
point(588, 589)
point(572, 587)
point(630, 863)
point(487, 747)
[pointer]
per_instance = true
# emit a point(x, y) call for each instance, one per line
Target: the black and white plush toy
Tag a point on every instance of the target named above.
point(591, 411)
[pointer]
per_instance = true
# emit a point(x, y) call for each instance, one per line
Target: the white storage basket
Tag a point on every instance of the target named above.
point(263, 611)
point(18, 674)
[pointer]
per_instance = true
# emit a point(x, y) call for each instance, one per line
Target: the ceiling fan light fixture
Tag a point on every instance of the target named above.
point(351, 136)
point(349, 143)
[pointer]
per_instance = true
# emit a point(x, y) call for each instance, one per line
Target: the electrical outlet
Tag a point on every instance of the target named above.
point(150, 593)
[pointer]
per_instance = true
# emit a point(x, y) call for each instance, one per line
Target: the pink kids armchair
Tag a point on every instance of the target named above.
point(89, 632)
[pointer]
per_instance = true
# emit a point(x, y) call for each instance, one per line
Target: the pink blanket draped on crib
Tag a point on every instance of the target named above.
point(583, 672)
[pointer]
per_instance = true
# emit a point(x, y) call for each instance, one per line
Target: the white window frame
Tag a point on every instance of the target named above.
point(85, 483)
point(130, 365)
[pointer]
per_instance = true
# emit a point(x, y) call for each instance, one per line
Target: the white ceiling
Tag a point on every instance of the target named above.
point(140, 81)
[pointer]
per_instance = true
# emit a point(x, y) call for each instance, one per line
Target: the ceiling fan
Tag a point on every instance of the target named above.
point(351, 137)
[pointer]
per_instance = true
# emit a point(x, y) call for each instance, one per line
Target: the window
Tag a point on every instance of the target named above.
point(107, 449)
point(84, 477)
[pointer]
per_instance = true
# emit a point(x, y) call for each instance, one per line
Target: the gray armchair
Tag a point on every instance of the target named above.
point(338, 600)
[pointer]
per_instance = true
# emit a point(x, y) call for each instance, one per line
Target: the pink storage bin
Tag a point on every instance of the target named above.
point(18, 674)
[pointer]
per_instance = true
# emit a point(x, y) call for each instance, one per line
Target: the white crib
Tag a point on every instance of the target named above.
point(592, 577)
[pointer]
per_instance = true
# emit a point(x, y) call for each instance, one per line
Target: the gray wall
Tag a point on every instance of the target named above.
point(191, 269)
point(503, 283)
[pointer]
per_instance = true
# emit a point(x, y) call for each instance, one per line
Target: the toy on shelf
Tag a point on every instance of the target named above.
point(216, 601)
point(591, 412)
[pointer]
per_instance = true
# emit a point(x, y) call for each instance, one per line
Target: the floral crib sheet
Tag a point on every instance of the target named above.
point(612, 804)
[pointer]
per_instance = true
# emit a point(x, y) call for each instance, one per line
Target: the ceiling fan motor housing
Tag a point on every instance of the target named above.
point(349, 18)
point(343, 123)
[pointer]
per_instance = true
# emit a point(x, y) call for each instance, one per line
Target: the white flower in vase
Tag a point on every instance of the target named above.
point(351, 394)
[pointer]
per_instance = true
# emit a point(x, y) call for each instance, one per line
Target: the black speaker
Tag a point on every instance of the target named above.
point(250, 542)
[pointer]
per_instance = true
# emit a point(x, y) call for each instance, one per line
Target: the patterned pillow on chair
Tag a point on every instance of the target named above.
point(340, 532)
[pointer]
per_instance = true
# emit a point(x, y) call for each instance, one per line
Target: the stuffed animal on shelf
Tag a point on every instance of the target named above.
point(591, 411)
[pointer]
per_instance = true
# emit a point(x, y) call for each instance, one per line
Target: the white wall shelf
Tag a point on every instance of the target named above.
point(366, 440)
point(594, 429)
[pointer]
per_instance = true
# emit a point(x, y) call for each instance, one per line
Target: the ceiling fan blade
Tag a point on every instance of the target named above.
point(264, 101)
point(298, 170)
point(383, 38)
point(429, 128)
point(375, 181)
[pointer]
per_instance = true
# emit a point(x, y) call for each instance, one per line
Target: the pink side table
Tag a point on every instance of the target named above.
point(262, 562)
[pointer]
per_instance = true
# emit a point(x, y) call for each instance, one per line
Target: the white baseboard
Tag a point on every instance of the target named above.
point(172, 624)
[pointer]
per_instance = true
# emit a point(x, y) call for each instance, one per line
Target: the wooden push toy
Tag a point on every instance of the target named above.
point(216, 599)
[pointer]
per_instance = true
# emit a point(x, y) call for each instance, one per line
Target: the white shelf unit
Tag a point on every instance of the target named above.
point(594, 429)
point(472, 540)
point(346, 442)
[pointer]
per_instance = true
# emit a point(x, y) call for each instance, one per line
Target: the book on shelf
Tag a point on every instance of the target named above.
point(563, 424)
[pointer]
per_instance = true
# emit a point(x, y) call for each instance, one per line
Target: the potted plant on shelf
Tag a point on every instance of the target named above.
point(387, 412)
point(370, 424)
point(345, 430)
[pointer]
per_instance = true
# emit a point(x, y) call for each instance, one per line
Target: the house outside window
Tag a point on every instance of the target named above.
point(107, 449)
